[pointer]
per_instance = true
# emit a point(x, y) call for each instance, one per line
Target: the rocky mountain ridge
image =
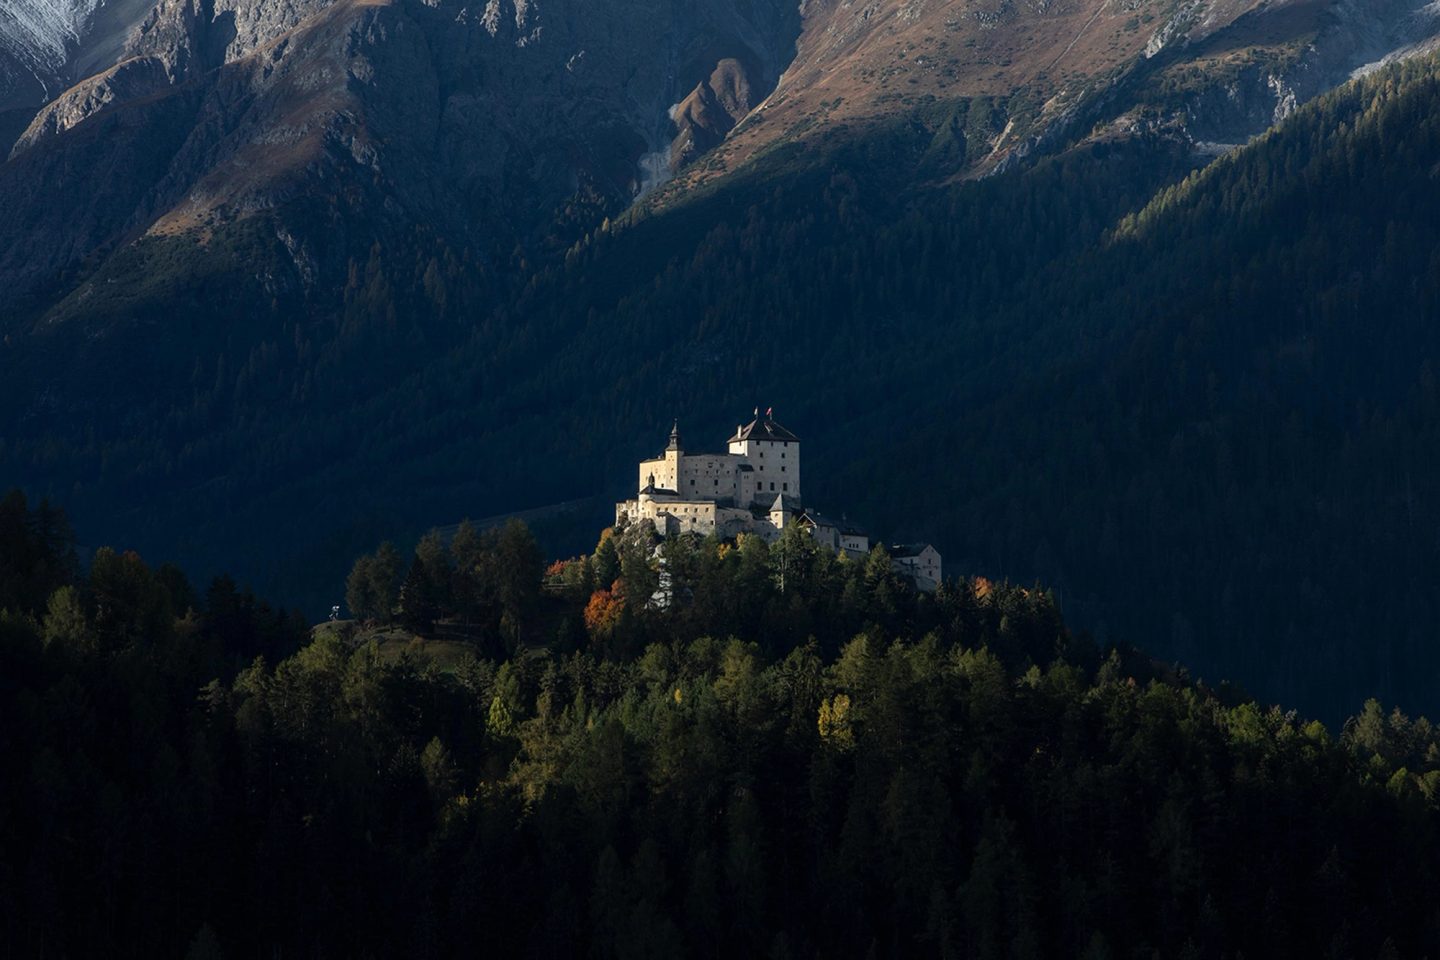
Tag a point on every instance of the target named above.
point(483, 118)
point(544, 105)
point(1004, 79)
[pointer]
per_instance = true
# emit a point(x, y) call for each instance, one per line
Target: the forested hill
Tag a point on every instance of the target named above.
point(833, 767)
point(1199, 408)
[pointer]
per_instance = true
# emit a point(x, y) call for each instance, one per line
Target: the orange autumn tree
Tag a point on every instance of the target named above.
point(602, 612)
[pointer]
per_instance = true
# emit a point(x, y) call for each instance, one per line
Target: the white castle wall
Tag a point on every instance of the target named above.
point(714, 476)
point(776, 464)
point(750, 475)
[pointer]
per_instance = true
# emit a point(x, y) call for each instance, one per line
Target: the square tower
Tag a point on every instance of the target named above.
point(773, 454)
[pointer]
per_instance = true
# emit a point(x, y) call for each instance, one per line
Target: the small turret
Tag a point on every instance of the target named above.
point(674, 437)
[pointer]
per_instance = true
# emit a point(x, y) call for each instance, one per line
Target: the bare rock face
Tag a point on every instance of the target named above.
point(48, 45)
point(129, 80)
point(1046, 71)
point(36, 38)
point(174, 41)
point(479, 119)
point(488, 120)
point(708, 114)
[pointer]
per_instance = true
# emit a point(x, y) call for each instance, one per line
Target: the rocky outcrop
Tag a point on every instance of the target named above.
point(483, 121)
point(36, 39)
point(1060, 68)
point(129, 80)
point(48, 45)
point(494, 121)
point(710, 111)
point(1311, 48)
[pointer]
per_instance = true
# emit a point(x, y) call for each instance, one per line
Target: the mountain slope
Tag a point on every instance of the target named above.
point(494, 126)
point(998, 79)
point(1223, 403)
point(528, 123)
point(341, 286)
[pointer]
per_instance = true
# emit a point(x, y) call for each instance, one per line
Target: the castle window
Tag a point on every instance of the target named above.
point(785, 486)
point(782, 456)
point(772, 486)
point(782, 469)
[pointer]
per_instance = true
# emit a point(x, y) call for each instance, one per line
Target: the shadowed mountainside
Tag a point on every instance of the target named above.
point(338, 282)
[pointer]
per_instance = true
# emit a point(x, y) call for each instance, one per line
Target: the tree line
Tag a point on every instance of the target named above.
point(792, 756)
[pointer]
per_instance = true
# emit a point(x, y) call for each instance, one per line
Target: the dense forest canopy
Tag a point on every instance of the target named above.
point(796, 756)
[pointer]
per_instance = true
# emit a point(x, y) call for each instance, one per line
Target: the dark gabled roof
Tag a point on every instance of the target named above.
point(845, 527)
point(745, 467)
point(901, 550)
point(765, 429)
point(819, 519)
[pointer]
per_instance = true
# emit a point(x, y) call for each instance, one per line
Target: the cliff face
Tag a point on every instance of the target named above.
point(488, 117)
point(479, 117)
point(521, 122)
point(47, 45)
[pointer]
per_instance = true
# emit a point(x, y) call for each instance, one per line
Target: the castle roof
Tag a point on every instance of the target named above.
point(818, 519)
point(785, 501)
point(765, 429)
point(902, 550)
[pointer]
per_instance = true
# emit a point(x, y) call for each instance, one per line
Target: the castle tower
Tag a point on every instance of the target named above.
point(663, 472)
point(673, 456)
point(773, 453)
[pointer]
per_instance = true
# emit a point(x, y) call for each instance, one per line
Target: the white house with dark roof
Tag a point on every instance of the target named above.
point(754, 488)
point(919, 561)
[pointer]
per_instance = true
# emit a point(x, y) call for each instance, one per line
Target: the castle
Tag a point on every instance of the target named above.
point(753, 488)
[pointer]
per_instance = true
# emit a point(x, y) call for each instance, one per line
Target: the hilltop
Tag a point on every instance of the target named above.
point(824, 763)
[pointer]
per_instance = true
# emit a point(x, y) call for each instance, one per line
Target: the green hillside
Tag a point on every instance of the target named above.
point(833, 767)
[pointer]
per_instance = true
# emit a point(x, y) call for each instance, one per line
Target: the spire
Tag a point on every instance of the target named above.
point(674, 436)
